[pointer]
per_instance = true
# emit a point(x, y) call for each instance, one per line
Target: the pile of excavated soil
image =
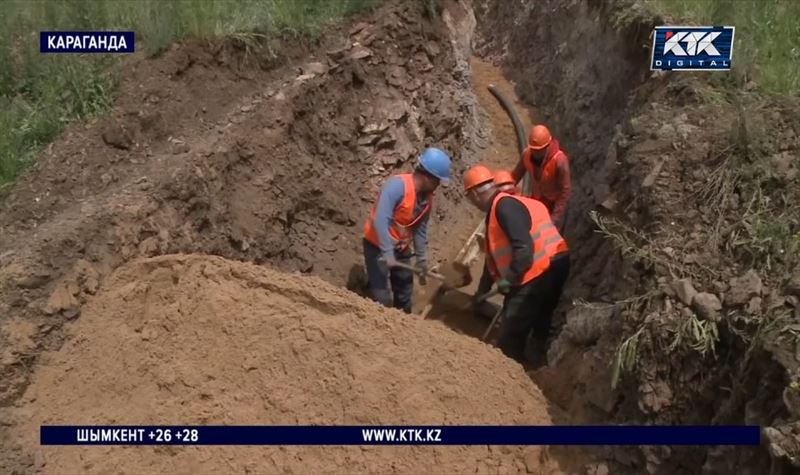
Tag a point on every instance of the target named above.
point(202, 340)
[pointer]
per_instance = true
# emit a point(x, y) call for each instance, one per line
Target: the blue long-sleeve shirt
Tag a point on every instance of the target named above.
point(391, 195)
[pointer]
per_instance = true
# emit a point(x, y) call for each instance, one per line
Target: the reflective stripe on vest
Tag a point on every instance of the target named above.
point(403, 220)
point(547, 242)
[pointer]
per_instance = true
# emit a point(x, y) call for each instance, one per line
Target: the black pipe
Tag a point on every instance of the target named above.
point(520, 131)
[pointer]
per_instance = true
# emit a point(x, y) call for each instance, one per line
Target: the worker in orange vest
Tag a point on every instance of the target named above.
point(526, 257)
point(398, 217)
point(505, 182)
point(548, 167)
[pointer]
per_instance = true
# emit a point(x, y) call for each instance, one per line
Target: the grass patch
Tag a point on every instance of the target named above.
point(40, 94)
point(767, 42)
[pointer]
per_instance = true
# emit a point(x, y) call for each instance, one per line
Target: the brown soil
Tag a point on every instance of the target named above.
point(205, 340)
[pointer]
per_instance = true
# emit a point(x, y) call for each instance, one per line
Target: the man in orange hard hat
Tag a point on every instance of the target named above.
point(548, 167)
point(526, 256)
point(398, 218)
point(505, 182)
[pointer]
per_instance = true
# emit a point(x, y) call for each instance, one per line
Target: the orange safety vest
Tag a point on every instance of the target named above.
point(544, 180)
point(547, 242)
point(403, 222)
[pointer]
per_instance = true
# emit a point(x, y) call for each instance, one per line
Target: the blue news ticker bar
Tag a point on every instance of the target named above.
point(87, 41)
point(402, 435)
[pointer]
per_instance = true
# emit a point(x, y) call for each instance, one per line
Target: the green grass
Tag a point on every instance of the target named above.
point(767, 40)
point(41, 94)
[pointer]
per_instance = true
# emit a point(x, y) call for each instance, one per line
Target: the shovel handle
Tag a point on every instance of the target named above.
point(417, 271)
point(487, 295)
point(481, 298)
point(491, 325)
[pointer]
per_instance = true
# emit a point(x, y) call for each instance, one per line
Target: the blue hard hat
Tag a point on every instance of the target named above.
point(436, 162)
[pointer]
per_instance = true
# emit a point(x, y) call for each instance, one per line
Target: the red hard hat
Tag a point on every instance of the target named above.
point(477, 175)
point(539, 138)
point(503, 177)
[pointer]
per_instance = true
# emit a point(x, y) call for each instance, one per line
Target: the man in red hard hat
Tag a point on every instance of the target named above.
point(548, 167)
point(526, 256)
point(504, 180)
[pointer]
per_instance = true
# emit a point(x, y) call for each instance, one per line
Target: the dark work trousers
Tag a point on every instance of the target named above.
point(529, 309)
point(380, 278)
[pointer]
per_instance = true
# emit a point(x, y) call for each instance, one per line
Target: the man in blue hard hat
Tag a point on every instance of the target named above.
point(399, 217)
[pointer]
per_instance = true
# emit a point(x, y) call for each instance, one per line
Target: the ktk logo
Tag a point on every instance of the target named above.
point(696, 43)
point(692, 48)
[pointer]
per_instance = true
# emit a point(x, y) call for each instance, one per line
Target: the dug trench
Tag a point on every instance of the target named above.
point(272, 156)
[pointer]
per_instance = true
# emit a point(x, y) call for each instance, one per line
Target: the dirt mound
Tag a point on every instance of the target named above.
point(269, 155)
point(204, 340)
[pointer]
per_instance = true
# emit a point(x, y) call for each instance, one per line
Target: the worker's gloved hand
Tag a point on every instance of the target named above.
point(422, 266)
point(503, 286)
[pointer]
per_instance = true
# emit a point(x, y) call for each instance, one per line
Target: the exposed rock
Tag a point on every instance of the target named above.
point(744, 288)
point(684, 290)
point(666, 132)
point(610, 203)
point(791, 399)
point(314, 68)
point(754, 306)
point(597, 469)
point(375, 128)
point(685, 131)
point(117, 136)
point(707, 306)
point(305, 77)
point(793, 285)
point(32, 281)
point(360, 52)
point(650, 179)
point(586, 323)
point(337, 54)
point(62, 298)
point(655, 396)
point(533, 459)
point(783, 166)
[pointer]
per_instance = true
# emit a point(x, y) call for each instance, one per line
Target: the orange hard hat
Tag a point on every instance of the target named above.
point(503, 177)
point(477, 175)
point(539, 138)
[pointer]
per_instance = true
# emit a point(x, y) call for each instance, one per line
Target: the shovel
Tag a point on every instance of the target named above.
point(418, 271)
point(491, 325)
point(482, 297)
